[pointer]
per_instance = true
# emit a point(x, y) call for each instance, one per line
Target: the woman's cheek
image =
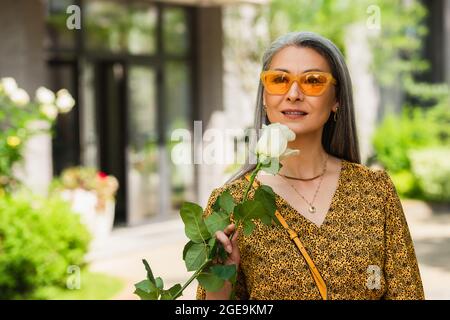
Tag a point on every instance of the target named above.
point(273, 101)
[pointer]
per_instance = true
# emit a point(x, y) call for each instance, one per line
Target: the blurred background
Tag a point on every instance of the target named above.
point(88, 186)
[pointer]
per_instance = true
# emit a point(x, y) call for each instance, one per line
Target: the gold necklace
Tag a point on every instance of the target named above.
point(311, 209)
point(303, 179)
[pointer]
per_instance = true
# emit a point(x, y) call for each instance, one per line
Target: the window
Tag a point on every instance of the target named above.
point(130, 72)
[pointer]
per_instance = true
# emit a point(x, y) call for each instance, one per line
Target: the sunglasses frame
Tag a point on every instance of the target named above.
point(293, 77)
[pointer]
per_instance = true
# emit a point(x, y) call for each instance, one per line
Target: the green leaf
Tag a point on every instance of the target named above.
point(194, 225)
point(249, 209)
point(144, 295)
point(210, 281)
point(195, 256)
point(147, 285)
point(225, 201)
point(267, 189)
point(213, 244)
point(165, 295)
point(174, 289)
point(170, 294)
point(217, 221)
point(149, 271)
point(277, 222)
point(186, 248)
point(223, 254)
point(146, 290)
point(159, 283)
point(224, 272)
point(248, 227)
point(265, 195)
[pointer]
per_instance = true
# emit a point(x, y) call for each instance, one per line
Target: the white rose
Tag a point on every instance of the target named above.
point(9, 85)
point(45, 96)
point(64, 101)
point(49, 110)
point(273, 142)
point(20, 97)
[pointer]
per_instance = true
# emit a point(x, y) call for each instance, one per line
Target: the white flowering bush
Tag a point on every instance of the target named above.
point(431, 167)
point(17, 113)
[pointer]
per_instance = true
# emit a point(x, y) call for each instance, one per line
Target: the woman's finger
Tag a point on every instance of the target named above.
point(234, 238)
point(229, 229)
point(223, 238)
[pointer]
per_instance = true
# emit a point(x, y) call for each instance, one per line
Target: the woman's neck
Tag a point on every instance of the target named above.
point(309, 163)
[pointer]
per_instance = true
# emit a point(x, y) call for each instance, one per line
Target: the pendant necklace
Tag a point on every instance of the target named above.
point(312, 208)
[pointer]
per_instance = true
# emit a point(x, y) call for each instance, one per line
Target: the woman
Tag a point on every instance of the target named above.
point(348, 216)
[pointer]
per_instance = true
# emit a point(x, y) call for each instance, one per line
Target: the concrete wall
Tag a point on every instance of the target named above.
point(209, 68)
point(210, 62)
point(21, 53)
point(22, 57)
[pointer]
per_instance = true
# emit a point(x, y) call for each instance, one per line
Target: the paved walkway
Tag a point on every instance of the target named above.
point(430, 230)
point(162, 245)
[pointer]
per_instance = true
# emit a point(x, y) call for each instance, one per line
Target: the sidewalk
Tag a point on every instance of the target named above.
point(430, 230)
point(162, 245)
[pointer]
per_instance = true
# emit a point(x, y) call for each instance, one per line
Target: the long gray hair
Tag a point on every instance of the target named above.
point(338, 138)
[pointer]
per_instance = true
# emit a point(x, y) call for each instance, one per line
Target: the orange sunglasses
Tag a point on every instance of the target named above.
point(312, 83)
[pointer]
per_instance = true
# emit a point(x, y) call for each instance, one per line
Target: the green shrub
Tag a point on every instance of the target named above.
point(422, 134)
point(39, 239)
point(407, 184)
point(398, 134)
point(440, 115)
point(432, 168)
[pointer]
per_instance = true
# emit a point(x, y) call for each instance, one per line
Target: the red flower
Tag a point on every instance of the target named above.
point(102, 175)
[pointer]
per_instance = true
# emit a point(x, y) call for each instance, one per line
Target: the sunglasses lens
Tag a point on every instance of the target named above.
point(277, 83)
point(313, 84)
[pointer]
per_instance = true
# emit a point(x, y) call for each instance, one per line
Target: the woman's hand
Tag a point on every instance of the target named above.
point(230, 246)
point(234, 257)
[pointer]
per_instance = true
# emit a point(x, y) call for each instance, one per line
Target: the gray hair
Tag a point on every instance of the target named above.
point(338, 138)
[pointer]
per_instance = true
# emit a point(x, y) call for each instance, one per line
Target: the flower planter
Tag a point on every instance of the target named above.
point(99, 221)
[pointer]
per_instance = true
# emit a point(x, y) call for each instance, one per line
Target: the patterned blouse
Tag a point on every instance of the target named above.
point(363, 249)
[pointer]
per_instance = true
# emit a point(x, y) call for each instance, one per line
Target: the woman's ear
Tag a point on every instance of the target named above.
point(335, 106)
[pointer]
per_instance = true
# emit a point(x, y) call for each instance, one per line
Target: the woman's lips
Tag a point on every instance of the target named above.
point(293, 115)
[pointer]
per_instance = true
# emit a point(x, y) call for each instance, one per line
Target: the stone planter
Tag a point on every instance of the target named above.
point(99, 222)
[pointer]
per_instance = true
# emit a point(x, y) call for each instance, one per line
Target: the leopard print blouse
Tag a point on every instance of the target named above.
point(363, 250)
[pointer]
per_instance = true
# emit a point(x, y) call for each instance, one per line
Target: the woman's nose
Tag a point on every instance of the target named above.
point(295, 93)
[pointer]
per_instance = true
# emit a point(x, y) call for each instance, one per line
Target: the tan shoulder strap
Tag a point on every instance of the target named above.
point(294, 237)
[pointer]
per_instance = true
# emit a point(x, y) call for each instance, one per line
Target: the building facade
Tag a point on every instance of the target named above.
point(138, 70)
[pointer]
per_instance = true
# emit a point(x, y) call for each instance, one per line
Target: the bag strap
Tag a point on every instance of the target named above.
point(320, 283)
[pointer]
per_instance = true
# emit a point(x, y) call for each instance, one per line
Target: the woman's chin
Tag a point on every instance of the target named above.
point(298, 126)
point(295, 126)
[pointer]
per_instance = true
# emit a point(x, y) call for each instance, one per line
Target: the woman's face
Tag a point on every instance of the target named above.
point(298, 60)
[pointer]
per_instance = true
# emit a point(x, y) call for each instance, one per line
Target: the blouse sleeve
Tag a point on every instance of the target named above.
point(240, 288)
point(401, 269)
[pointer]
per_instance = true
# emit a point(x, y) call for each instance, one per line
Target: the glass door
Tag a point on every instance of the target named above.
point(131, 70)
point(111, 105)
point(142, 152)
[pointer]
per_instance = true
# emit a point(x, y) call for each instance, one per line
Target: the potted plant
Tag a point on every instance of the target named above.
point(92, 195)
